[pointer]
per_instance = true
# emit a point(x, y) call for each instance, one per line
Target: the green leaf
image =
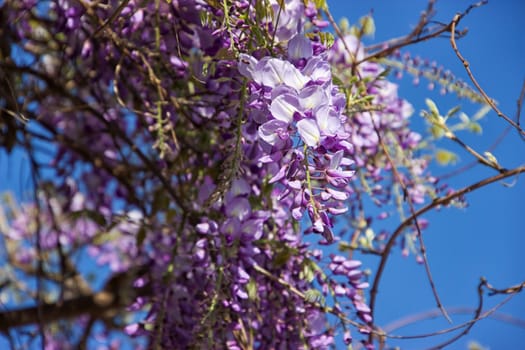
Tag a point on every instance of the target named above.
point(337, 81)
point(367, 241)
point(432, 107)
point(368, 26)
point(464, 118)
point(437, 131)
point(320, 4)
point(282, 256)
point(359, 223)
point(475, 127)
point(251, 289)
point(346, 246)
point(160, 201)
point(482, 112)
point(444, 157)
point(4, 223)
point(149, 326)
point(354, 31)
point(474, 345)
point(261, 11)
point(313, 296)
point(451, 112)
point(93, 215)
point(308, 271)
point(344, 24)
point(327, 39)
point(491, 158)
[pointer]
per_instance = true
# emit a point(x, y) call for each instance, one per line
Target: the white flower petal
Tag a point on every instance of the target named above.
point(309, 132)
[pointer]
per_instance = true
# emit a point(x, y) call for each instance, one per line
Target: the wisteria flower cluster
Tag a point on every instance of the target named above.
point(301, 119)
point(188, 139)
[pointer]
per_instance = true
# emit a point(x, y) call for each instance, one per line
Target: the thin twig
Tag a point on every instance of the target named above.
point(353, 55)
point(472, 321)
point(476, 155)
point(431, 314)
point(477, 314)
point(113, 298)
point(35, 174)
point(509, 290)
point(466, 64)
point(412, 38)
point(297, 292)
point(423, 249)
point(472, 164)
point(519, 104)
point(437, 202)
point(111, 18)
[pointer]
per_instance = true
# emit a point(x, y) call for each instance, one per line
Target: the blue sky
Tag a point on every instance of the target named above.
point(487, 238)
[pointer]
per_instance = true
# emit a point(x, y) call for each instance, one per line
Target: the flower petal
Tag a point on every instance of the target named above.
point(309, 132)
point(272, 130)
point(300, 47)
point(283, 107)
point(312, 96)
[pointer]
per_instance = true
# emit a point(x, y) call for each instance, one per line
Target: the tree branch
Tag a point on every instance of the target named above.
point(117, 294)
point(466, 64)
point(437, 202)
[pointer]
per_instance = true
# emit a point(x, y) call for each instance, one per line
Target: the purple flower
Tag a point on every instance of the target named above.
point(312, 96)
point(288, 18)
point(347, 50)
point(284, 107)
point(274, 131)
point(309, 132)
point(300, 47)
point(247, 65)
point(271, 72)
point(327, 120)
point(318, 69)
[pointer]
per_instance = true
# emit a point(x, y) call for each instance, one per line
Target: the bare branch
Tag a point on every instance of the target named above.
point(472, 321)
point(427, 315)
point(390, 46)
point(466, 64)
point(111, 18)
point(467, 329)
point(399, 180)
point(509, 290)
point(437, 202)
point(519, 104)
point(117, 294)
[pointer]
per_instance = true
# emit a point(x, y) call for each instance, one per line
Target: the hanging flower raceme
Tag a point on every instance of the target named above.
point(302, 130)
point(167, 108)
